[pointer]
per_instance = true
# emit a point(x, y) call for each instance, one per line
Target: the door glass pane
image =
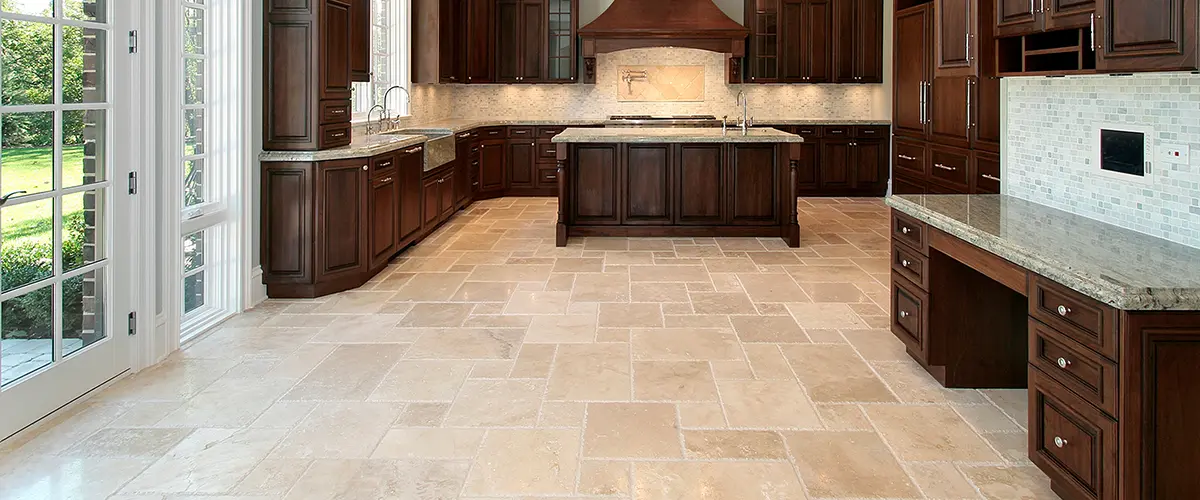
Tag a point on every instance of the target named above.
point(27, 334)
point(193, 132)
point(27, 157)
point(83, 321)
point(193, 182)
point(193, 81)
point(193, 30)
point(86, 10)
point(29, 7)
point(193, 268)
point(193, 251)
point(27, 62)
point(84, 51)
point(83, 229)
point(26, 244)
point(83, 147)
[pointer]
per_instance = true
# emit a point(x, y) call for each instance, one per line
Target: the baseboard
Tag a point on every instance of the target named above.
point(257, 291)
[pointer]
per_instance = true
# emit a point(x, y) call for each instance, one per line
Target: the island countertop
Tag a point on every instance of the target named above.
point(673, 135)
point(1119, 267)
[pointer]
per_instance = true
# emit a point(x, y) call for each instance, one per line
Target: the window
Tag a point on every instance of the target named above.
point(389, 59)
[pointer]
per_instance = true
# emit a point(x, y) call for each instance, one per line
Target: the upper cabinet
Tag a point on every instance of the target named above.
point(957, 48)
point(1147, 35)
point(309, 64)
point(1022, 17)
point(495, 41)
point(360, 40)
point(814, 41)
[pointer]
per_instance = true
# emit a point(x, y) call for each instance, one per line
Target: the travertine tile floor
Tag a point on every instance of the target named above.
point(486, 363)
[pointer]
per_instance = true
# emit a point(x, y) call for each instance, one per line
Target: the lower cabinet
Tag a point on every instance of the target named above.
point(522, 156)
point(438, 195)
point(384, 214)
point(921, 167)
point(412, 166)
point(341, 219)
point(700, 185)
point(842, 160)
point(493, 158)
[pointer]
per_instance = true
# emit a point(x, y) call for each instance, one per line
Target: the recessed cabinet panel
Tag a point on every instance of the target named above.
point(956, 20)
point(335, 50)
point(949, 111)
point(701, 198)
point(1016, 17)
point(912, 71)
point(647, 184)
point(341, 218)
point(595, 184)
point(1144, 35)
point(754, 189)
point(287, 207)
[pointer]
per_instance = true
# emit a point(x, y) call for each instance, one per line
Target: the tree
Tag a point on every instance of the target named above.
point(28, 78)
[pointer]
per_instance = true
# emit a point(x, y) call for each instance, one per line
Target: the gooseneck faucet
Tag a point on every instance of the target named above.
point(407, 96)
point(743, 100)
point(382, 116)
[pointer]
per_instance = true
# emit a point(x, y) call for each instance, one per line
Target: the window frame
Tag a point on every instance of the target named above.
point(399, 61)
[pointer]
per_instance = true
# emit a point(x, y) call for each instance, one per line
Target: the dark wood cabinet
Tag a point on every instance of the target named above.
point(439, 41)
point(1016, 17)
point(522, 157)
point(341, 219)
point(647, 184)
point(520, 26)
point(870, 172)
point(858, 39)
point(814, 41)
point(480, 41)
point(806, 34)
point(956, 52)
point(594, 186)
point(806, 174)
point(384, 215)
point(837, 160)
point(489, 41)
point(360, 40)
point(431, 205)
point(949, 109)
point(700, 195)
point(336, 31)
point(1024, 17)
point(913, 69)
point(987, 103)
point(1147, 35)
point(754, 193)
point(412, 166)
point(493, 165)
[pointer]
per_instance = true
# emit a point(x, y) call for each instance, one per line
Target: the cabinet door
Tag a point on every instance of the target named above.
point(956, 51)
point(522, 155)
point(868, 54)
point(792, 41)
point(508, 40)
point(911, 71)
point(1063, 14)
point(532, 36)
point(561, 26)
point(411, 189)
point(816, 53)
point(492, 165)
point(764, 49)
point(1017, 17)
point(452, 64)
point(870, 171)
point(384, 212)
point(949, 110)
point(594, 184)
point(806, 180)
point(446, 192)
point(753, 188)
point(462, 182)
point(335, 50)
point(647, 184)
point(431, 208)
point(287, 208)
point(985, 115)
point(845, 41)
point(360, 40)
point(700, 180)
point(1146, 35)
point(837, 164)
point(341, 218)
point(480, 41)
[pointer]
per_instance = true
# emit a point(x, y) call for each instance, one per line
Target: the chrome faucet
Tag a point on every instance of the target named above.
point(743, 100)
point(382, 115)
point(408, 100)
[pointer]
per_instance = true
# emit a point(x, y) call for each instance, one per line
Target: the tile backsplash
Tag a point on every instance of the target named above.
point(1051, 149)
point(660, 83)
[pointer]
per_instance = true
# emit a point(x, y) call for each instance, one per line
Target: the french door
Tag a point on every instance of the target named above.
point(68, 126)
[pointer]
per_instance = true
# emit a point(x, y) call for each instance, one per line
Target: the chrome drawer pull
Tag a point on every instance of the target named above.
point(990, 177)
point(520, 131)
point(905, 314)
point(1063, 363)
point(905, 230)
point(414, 150)
point(339, 111)
point(551, 151)
point(906, 157)
point(1059, 442)
point(551, 177)
point(1064, 310)
point(464, 136)
point(944, 167)
point(905, 262)
point(385, 180)
point(339, 135)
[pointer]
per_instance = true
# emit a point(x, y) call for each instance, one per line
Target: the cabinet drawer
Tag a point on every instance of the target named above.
point(547, 151)
point(548, 177)
point(871, 131)
point(1086, 373)
point(465, 136)
point(383, 165)
point(493, 133)
point(520, 132)
point(986, 172)
point(949, 166)
point(911, 231)
point(1071, 441)
point(910, 158)
point(549, 132)
point(836, 131)
point(1080, 318)
point(910, 315)
point(911, 265)
point(336, 111)
point(903, 184)
point(335, 135)
point(807, 131)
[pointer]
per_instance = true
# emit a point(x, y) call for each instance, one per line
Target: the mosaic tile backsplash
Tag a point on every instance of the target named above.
point(1051, 149)
point(661, 83)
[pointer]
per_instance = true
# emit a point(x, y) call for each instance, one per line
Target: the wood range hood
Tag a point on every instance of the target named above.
point(633, 24)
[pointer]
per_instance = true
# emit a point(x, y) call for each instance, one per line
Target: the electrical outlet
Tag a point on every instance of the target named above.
point(1179, 154)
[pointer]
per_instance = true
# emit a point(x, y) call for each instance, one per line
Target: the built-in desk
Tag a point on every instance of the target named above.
point(1102, 324)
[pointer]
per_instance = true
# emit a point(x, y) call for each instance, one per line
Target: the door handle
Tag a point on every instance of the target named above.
point(970, 86)
point(1092, 29)
point(5, 198)
point(990, 177)
point(944, 167)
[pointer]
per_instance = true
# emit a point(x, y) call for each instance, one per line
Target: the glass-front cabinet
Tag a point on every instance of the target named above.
point(764, 41)
point(561, 26)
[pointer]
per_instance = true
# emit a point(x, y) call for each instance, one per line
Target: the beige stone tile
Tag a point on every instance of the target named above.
point(39, 477)
point(929, 433)
point(771, 309)
point(496, 403)
point(509, 273)
point(669, 274)
point(740, 244)
point(1008, 483)
point(422, 381)
point(843, 417)
point(730, 265)
point(538, 303)
point(422, 415)
point(1013, 446)
point(366, 329)
point(768, 362)
point(631, 430)
point(338, 430)
point(630, 315)
point(695, 320)
point(598, 477)
point(437, 315)
point(272, 477)
point(495, 320)
point(612, 335)
point(763, 404)
point(562, 414)
point(716, 481)
point(562, 329)
point(491, 368)
point(914, 385)
point(825, 336)
point(228, 403)
point(722, 303)
point(701, 415)
point(833, 292)
point(673, 381)
point(429, 443)
point(831, 316)
point(726, 283)
point(283, 415)
point(590, 372)
point(606, 244)
point(127, 443)
point(659, 292)
point(354, 303)
point(732, 370)
point(772, 288)
point(682, 344)
point(817, 273)
point(942, 481)
point(877, 345)
point(560, 283)
point(350, 373)
point(987, 418)
point(484, 291)
point(467, 343)
point(774, 258)
point(568, 265)
point(848, 464)
point(698, 251)
point(430, 287)
point(836, 374)
point(1014, 402)
point(775, 329)
point(600, 288)
point(426, 264)
point(522, 461)
point(344, 479)
point(207, 461)
point(534, 361)
point(705, 287)
point(709, 444)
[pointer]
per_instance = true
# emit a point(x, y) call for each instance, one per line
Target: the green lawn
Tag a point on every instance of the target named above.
point(31, 169)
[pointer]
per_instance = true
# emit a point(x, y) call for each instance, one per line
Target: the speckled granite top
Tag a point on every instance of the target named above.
point(786, 121)
point(361, 147)
point(654, 134)
point(1125, 269)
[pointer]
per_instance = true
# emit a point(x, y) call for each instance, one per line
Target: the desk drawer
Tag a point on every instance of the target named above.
point(335, 135)
point(910, 315)
point(911, 231)
point(911, 265)
point(1071, 441)
point(1081, 318)
point(1086, 373)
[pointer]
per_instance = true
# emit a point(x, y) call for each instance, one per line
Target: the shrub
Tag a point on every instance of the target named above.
point(30, 260)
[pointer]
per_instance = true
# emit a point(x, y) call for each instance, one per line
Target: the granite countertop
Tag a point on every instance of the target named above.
point(360, 147)
point(1119, 267)
point(821, 121)
point(658, 135)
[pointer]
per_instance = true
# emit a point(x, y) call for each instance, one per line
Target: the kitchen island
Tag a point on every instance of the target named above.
point(677, 182)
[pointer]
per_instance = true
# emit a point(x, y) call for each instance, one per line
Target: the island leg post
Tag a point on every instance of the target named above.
point(560, 234)
point(791, 229)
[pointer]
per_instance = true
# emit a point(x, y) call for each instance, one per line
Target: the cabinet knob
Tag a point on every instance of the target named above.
point(1063, 363)
point(1064, 310)
point(905, 230)
point(905, 314)
point(365, 167)
point(1059, 442)
point(905, 262)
